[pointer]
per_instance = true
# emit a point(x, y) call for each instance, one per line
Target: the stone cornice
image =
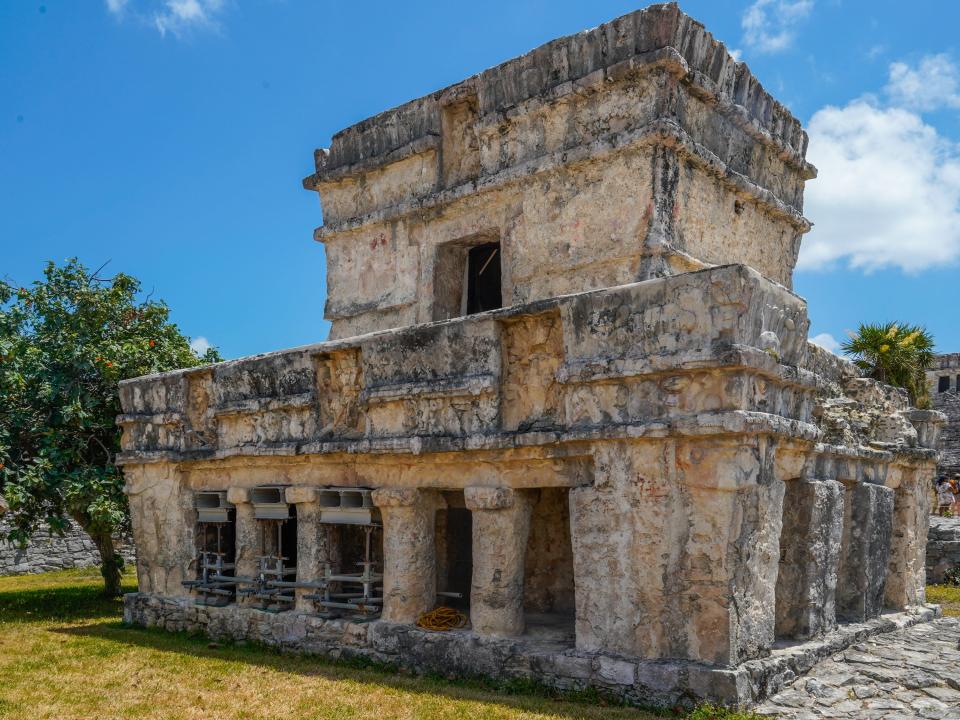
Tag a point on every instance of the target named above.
point(655, 36)
point(663, 132)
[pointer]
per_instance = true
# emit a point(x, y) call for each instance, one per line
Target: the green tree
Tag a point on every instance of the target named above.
point(65, 343)
point(895, 353)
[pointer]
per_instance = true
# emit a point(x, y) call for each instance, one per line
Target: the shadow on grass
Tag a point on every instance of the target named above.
point(63, 603)
point(518, 694)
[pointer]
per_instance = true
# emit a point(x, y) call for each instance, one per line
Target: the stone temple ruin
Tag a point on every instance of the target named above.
point(568, 391)
point(944, 385)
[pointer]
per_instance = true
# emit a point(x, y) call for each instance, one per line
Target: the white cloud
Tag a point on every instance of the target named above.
point(827, 342)
point(770, 25)
point(117, 6)
point(200, 345)
point(933, 83)
point(177, 17)
point(180, 16)
point(888, 191)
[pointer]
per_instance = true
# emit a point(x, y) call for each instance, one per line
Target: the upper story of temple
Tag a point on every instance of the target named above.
point(634, 150)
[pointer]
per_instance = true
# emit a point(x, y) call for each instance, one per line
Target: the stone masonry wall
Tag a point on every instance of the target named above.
point(943, 547)
point(461, 652)
point(48, 551)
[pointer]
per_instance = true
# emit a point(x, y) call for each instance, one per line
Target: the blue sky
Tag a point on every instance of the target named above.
point(170, 137)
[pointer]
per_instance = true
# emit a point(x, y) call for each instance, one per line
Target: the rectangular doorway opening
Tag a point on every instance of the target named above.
point(549, 600)
point(454, 546)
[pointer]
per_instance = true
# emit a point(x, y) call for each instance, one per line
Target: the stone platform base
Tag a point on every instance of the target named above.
point(546, 656)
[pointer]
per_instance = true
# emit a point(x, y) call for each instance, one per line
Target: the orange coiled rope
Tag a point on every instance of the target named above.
point(442, 618)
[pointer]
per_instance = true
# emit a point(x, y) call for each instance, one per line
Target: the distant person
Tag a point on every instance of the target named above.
point(945, 496)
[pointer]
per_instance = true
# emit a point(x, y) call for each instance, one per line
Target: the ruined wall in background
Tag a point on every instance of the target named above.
point(48, 551)
point(947, 402)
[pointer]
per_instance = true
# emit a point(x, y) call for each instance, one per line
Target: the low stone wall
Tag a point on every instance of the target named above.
point(461, 653)
point(943, 547)
point(49, 551)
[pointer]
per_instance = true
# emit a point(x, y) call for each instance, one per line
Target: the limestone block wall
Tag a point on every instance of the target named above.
point(48, 551)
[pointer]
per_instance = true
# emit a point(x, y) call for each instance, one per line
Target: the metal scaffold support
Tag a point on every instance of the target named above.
point(360, 594)
point(215, 584)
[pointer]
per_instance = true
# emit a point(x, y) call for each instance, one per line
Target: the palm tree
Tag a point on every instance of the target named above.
point(896, 354)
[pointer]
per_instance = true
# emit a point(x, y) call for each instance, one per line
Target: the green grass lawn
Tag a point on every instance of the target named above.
point(947, 596)
point(64, 653)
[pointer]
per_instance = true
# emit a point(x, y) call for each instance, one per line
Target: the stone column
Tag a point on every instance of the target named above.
point(501, 525)
point(675, 547)
point(247, 536)
point(409, 553)
point(317, 543)
point(906, 573)
point(866, 551)
point(810, 544)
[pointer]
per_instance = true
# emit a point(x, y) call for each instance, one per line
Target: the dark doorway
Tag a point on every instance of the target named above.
point(943, 383)
point(483, 278)
point(454, 538)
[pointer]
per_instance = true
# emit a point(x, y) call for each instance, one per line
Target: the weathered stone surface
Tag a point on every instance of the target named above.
point(881, 679)
point(634, 680)
point(906, 574)
point(943, 547)
point(48, 550)
point(947, 370)
point(652, 585)
point(610, 448)
point(409, 563)
point(501, 525)
point(809, 558)
point(868, 526)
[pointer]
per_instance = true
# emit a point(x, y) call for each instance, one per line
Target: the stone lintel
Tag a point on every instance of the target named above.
point(299, 494)
point(238, 495)
point(396, 497)
point(489, 498)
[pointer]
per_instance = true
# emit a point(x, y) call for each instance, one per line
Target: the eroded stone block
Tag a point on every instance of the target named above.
point(867, 532)
point(810, 545)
